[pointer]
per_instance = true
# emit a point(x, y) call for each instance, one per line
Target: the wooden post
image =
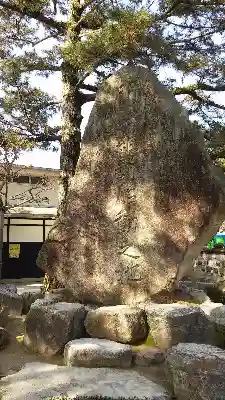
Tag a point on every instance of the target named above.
point(1, 239)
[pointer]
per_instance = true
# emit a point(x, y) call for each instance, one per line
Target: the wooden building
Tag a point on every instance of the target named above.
point(27, 226)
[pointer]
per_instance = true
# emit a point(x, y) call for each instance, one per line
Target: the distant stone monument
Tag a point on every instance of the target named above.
point(144, 199)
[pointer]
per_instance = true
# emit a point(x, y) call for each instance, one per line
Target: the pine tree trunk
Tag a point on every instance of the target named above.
point(71, 112)
point(1, 240)
point(71, 133)
point(2, 213)
point(70, 145)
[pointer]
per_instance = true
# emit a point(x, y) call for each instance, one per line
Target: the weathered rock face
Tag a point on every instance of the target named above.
point(28, 299)
point(8, 287)
point(217, 315)
point(197, 371)
point(122, 324)
point(97, 353)
point(38, 381)
point(143, 201)
point(4, 338)
point(11, 303)
point(49, 327)
point(147, 357)
point(172, 324)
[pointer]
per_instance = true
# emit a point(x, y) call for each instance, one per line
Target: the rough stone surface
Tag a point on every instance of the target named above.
point(90, 307)
point(11, 303)
point(28, 299)
point(4, 338)
point(123, 324)
point(97, 353)
point(60, 295)
point(44, 302)
point(215, 293)
point(48, 328)
point(197, 371)
point(147, 357)
point(143, 201)
point(171, 324)
point(217, 316)
point(199, 296)
point(208, 307)
point(55, 297)
point(37, 381)
point(8, 287)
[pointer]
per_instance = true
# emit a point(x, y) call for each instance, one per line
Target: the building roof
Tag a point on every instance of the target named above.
point(19, 167)
point(36, 168)
point(31, 212)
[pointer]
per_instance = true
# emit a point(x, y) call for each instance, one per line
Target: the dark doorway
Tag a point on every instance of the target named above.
point(25, 265)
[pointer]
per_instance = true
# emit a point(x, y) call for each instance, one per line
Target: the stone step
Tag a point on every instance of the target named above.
point(97, 353)
point(48, 327)
point(197, 371)
point(121, 323)
point(171, 324)
point(37, 381)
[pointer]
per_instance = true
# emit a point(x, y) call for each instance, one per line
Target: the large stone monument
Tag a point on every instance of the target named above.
point(144, 199)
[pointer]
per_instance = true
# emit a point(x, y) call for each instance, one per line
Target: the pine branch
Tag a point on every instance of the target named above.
point(41, 67)
point(37, 15)
point(199, 86)
point(51, 36)
point(41, 138)
point(173, 7)
point(192, 92)
point(203, 35)
point(86, 97)
point(91, 88)
point(46, 138)
point(190, 27)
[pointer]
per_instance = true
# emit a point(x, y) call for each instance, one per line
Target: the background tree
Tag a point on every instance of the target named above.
point(93, 38)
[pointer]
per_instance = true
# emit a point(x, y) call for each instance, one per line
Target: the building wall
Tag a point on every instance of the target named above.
point(23, 179)
point(21, 230)
point(50, 192)
point(32, 199)
point(23, 238)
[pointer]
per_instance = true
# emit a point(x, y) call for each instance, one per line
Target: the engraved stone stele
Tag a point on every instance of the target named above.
point(144, 200)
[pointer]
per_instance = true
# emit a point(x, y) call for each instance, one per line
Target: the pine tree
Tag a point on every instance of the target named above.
point(96, 37)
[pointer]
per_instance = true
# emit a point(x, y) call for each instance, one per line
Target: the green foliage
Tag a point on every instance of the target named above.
point(26, 113)
point(119, 37)
point(97, 37)
point(12, 142)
